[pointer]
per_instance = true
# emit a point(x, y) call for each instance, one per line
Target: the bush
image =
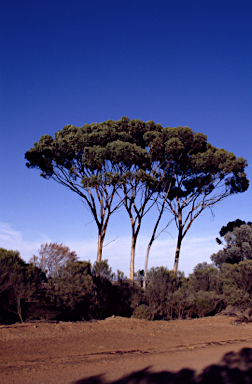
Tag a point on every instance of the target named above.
point(204, 307)
point(205, 277)
point(240, 274)
point(19, 283)
point(143, 311)
point(236, 297)
point(161, 284)
point(72, 291)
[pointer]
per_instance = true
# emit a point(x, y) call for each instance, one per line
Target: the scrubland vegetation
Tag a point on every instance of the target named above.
point(57, 286)
point(141, 167)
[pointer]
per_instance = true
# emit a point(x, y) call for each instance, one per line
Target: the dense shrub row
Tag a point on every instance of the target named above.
point(80, 291)
point(206, 291)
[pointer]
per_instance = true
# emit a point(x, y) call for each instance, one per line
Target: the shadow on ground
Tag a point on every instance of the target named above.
point(234, 368)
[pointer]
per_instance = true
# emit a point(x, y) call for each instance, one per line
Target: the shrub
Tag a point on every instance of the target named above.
point(240, 274)
point(204, 307)
point(143, 311)
point(162, 283)
point(205, 277)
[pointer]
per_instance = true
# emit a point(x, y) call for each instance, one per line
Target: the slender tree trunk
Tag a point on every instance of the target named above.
point(100, 244)
point(177, 253)
point(146, 263)
point(150, 244)
point(19, 311)
point(132, 257)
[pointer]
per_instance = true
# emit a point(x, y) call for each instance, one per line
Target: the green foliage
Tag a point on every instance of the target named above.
point(195, 175)
point(136, 163)
point(232, 225)
point(233, 296)
point(238, 275)
point(161, 284)
point(143, 311)
point(80, 291)
point(96, 160)
point(207, 303)
point(19, 282)
point(204, 307)
point(103, 270)
point(71, 292)
point(238, 247)
point(205, 277)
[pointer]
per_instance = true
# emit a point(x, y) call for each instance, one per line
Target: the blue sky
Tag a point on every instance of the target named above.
point(182, 62)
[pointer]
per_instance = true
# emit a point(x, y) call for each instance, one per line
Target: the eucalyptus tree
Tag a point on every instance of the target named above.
point(79, 159)
point(201, 174)
point(107, 164)
point(136, 161)
point(161, 188)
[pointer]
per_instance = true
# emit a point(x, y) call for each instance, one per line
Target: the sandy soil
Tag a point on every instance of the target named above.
point(127, 350)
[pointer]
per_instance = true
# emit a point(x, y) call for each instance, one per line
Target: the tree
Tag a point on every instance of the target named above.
point(18, 281)
point(97, 160)
point(78, 158)
point(238, 247)
point(141, 168)
point(7, 260)
point(230, 227)
point(52, 257)
point(72, 290)
point(137, 199)
point(201, 174)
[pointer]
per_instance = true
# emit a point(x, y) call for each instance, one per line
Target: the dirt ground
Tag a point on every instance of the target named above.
point(126, 351)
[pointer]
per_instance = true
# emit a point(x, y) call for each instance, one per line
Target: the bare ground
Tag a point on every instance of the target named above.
point(127, 351)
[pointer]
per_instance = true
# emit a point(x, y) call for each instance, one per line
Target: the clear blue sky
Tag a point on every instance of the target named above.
point(182, 62)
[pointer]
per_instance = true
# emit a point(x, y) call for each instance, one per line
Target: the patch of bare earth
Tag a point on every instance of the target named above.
point(116, 347)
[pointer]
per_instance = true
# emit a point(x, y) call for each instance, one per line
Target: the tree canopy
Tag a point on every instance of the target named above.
point(18, 281)
point(231, 225)
point(137, 164)
point(95, 161)
point(238, 246)
point(197, 174)
point(52, 257)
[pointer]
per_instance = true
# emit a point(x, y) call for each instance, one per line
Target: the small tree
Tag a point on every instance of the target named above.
point(52, 257)
point(238, 247)
point(230, 227)
point(72, 291)
point(18, 281)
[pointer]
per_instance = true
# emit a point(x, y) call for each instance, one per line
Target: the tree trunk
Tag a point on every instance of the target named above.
point(146, 264)
point(179, 241)
point(19, 311)
point(100, 244)
point(132, 257)
point(150, 244)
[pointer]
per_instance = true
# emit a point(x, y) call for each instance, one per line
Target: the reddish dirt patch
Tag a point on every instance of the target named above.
point(115, 347)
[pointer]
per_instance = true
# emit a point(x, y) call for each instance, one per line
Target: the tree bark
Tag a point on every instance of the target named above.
point(132, 257)
point(146, 263)
point(177, 253)
point(99, 249)
point(19, 311)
